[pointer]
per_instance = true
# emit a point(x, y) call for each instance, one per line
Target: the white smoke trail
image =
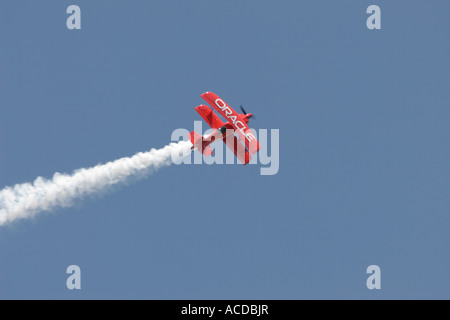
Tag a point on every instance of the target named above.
point(27, 199)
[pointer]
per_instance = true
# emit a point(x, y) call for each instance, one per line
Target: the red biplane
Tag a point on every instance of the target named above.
point(236, 123)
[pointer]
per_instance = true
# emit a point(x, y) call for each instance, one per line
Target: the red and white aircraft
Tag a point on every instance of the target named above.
point(236, 123)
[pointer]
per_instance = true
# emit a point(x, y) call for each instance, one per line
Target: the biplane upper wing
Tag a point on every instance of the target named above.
point(236, 120)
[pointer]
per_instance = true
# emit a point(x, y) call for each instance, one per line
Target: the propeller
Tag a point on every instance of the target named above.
point(243, 110)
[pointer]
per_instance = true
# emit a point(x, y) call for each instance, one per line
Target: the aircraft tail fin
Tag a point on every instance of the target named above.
point(197, 142)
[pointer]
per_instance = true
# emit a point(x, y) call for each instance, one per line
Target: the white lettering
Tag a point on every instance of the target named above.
point(221, 101)
point(374, 21)
point(250, 136)
point(74, 21)
point(273, 159)
point(74, 281)
point(374, 281)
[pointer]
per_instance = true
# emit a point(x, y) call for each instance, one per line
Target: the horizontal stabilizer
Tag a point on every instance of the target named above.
point(199, 144)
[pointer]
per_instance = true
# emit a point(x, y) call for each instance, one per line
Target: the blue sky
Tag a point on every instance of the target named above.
point(363, 120)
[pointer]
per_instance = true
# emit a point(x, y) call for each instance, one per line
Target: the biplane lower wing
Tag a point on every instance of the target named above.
point(209, 116)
